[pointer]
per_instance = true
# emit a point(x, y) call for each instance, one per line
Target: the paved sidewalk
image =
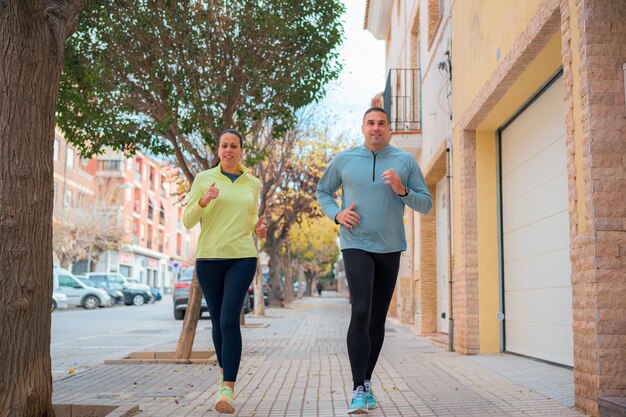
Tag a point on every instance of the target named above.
point(298, 366)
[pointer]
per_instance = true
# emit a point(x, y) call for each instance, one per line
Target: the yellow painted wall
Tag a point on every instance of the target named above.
point(543, 67)
point(479, 29)
point(487, 205)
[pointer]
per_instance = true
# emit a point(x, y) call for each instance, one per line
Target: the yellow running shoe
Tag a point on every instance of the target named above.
point(225, 402)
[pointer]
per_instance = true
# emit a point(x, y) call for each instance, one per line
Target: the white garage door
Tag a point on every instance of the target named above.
point(537, 270)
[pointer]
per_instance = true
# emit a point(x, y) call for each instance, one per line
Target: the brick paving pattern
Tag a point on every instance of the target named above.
point(298, 366)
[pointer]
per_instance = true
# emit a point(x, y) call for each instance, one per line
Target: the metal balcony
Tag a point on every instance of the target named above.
point(402, 99)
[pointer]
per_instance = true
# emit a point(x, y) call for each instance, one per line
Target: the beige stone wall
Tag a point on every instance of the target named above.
point(594, 39)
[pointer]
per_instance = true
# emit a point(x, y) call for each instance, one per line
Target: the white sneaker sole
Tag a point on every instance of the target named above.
point(358, 411)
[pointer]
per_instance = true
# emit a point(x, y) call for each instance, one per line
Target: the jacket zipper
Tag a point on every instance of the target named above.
point(374, 168)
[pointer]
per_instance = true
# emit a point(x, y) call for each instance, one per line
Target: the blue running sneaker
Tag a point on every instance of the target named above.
point(369, 396)
point(359, 403)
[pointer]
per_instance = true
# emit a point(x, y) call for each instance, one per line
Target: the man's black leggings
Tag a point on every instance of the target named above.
point(372, 279)
point(224, 284)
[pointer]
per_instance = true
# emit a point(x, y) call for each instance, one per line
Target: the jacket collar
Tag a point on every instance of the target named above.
point(383, 151)
point(240, 167)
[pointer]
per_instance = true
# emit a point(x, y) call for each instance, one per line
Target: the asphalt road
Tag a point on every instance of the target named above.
point(85, 338)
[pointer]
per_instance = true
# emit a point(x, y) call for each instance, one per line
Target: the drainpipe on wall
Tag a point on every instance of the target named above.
point(450, 315)
point(448, 62)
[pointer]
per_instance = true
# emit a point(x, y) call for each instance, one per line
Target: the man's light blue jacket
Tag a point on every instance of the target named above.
point(359, 172)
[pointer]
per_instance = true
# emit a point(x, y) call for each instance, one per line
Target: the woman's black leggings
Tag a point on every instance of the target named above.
point(372, 279)
point(224, 284)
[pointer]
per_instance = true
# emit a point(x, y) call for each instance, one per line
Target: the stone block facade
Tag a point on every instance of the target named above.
point(594, 35)
point(596, 143)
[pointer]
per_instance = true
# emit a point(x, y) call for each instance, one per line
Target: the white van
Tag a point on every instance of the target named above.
point(78, 294)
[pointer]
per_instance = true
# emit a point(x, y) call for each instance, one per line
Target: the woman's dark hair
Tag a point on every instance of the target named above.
point(235, 132)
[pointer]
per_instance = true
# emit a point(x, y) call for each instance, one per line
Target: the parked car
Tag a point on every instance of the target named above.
point(302, 286)
point(77, 293)
point(250, 298)
point(156, 294)
point(93, 284)
point(181, 295)
point(134, 294)
point(115, 291)
point(59, 300)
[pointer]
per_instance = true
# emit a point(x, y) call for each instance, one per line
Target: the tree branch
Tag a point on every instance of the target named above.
point(62, 17)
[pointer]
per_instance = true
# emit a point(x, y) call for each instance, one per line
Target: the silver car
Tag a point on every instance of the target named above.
point(77, 293)
point(59, 300)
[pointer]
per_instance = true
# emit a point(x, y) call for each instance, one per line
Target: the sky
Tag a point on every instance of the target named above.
point(363, 74)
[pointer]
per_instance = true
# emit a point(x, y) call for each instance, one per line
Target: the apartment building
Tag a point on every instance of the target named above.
point(157, 246)
point(74, 185)
point(522, 104)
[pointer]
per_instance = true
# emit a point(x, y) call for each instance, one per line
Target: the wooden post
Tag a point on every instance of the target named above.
point(190, 322)
point(259, 301)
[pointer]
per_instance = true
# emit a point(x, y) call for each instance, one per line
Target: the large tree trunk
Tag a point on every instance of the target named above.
point(32, 34)
point(276, 293)
point(300, 280)
point(309, 275)
point(288, 279)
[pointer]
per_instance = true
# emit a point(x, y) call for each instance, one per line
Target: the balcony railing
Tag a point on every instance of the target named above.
point(110, 165)
point(402, 99)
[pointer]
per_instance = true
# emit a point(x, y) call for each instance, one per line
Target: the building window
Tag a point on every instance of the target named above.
point(127, 271)
point(186, 250)
point(149, 243)
point(150, 209)
point(137, 202)
point(67, 200)
point(152, 178)
point(56, 149)
point(109, 164)
point(138, 170)
point(69, 158)
point(142, 231)
point(162, 215)
point(163, 188)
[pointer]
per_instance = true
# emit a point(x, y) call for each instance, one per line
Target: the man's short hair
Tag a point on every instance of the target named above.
point(376, 109)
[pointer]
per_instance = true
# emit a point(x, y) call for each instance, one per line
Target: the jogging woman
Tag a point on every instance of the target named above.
point(224, 200)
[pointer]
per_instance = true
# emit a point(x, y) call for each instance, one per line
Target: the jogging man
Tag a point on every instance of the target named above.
point(377, 181)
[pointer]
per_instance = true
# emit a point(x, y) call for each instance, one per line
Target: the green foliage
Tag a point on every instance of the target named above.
point(168, 76)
